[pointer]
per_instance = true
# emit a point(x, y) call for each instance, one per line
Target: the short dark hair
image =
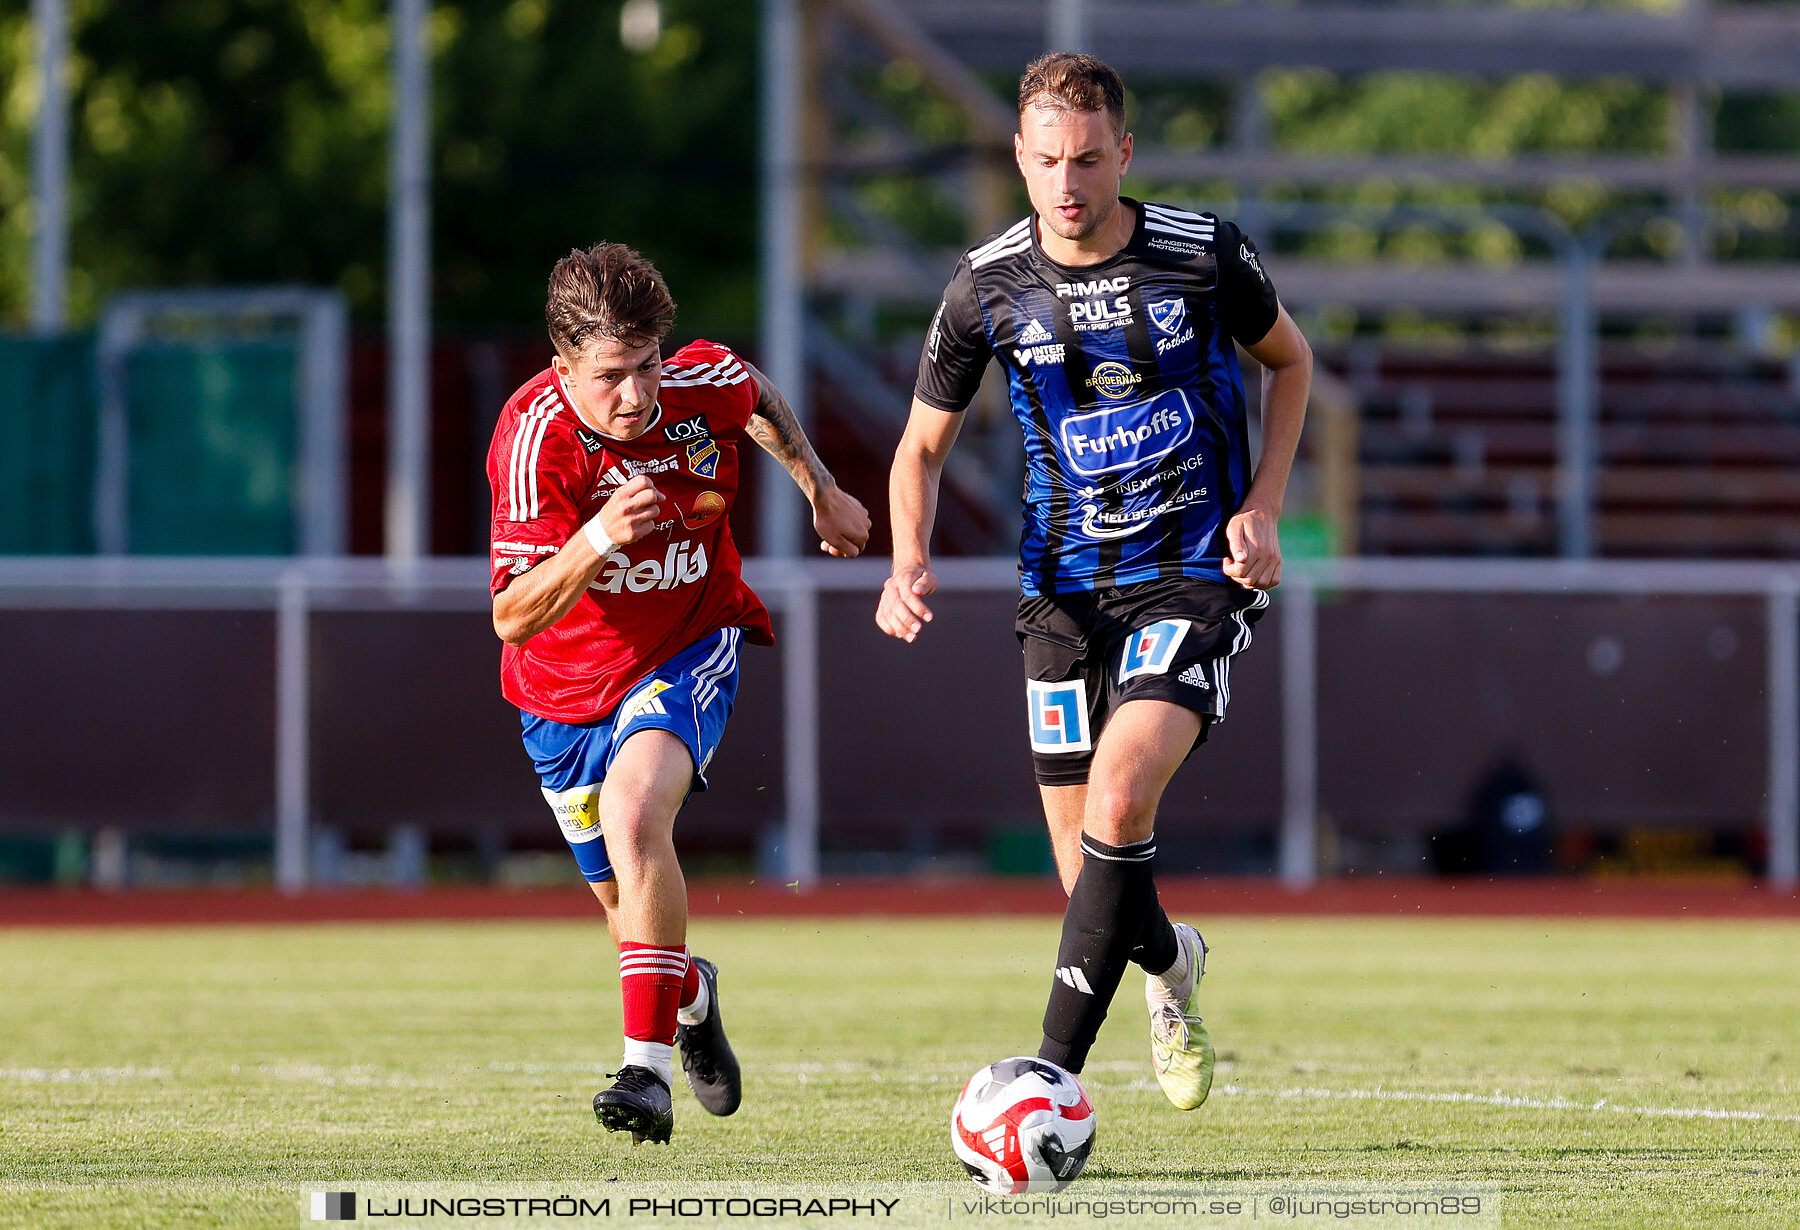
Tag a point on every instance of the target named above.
point(1070, 80)
point(608, 291)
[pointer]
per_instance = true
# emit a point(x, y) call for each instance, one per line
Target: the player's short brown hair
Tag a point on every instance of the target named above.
point(1072, 81)
point(608, 291)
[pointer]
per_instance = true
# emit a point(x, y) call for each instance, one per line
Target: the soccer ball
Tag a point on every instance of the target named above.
point(1022, 1125)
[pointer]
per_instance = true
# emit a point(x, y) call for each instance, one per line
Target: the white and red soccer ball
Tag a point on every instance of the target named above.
point(1022, 1125)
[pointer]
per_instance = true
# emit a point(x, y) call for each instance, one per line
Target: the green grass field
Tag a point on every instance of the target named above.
point(200, 1076)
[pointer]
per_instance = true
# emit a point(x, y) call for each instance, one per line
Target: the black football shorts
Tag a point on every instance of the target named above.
point(1088, 652)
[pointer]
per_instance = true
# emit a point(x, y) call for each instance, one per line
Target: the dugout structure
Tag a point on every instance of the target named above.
point(221, 423)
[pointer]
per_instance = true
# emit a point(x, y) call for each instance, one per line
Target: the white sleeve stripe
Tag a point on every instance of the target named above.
point(1011, 233)
point(528, 439)
point(1183, 217)
point(512, 472)
point(1171, 211)
point(716, 381)
point(1174, 228)
point(537, 445)
point(989, 257)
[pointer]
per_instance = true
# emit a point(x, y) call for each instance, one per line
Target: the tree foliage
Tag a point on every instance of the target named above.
point(246, 141)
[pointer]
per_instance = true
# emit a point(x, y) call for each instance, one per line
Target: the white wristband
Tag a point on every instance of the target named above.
point(603, 546)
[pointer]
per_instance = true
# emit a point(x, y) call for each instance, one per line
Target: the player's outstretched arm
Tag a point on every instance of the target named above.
point(1286, 361)
point(540, 598)
point(839, 518)
point(912, 505)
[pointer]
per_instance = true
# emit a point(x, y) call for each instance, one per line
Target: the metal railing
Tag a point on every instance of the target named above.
point(294, 588)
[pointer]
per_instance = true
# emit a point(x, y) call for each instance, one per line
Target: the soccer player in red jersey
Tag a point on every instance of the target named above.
point(618, 593)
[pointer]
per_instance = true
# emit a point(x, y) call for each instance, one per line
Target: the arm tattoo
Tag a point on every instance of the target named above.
point(774, 426)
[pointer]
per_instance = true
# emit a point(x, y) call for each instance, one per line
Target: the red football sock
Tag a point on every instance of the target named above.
point(690, 985)
point(651, 986)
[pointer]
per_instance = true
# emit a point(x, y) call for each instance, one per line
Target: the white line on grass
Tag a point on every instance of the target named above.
point(82, 1076)
point(1508, 1101)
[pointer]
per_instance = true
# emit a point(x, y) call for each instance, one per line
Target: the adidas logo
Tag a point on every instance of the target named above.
point(1034, 333)
point(1195, 677)
point(1071, 975)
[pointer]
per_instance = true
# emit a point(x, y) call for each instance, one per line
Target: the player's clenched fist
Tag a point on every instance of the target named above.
point(632, 511)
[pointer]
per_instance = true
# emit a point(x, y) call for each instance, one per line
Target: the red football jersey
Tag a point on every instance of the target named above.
point(549, 474)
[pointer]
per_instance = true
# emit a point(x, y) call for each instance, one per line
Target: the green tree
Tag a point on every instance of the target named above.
point(245, 141)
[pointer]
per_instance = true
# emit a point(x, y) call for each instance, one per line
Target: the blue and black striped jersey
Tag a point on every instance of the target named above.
point(1126, 385)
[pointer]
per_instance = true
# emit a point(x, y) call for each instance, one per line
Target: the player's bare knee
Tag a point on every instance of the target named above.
point(1118, 813)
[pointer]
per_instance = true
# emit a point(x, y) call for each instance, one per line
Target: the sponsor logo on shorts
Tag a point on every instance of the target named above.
point(1194, 677)
point(1151, 650)
point(576, 811)
point(643, 703)
point(1059, 717)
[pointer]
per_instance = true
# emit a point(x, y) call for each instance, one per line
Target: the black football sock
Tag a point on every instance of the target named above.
point(1108, 913)
point(1157, 949)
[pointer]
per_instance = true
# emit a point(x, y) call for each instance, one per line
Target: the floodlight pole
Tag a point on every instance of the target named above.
point(293, 802)
point(50, 169)
point(1784, 734)
point(783, 294)
point(784, 361)
point(1577, 400)
point(1298, 856)
point(409, 287)
point(1068, 25)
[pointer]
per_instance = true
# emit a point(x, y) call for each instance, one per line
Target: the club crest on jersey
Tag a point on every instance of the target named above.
point(703, 458)
point(687, 429)
point(1151, 650)
point(1168, 314)
point(1114, 380)
point(1059, 717)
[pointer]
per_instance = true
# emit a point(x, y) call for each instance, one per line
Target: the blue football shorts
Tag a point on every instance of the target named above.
point(690, 696)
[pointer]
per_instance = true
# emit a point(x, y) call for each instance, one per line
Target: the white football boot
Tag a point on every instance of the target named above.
point(1181, 1051)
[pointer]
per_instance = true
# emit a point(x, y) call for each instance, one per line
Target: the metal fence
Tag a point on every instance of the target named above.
point(294, 589)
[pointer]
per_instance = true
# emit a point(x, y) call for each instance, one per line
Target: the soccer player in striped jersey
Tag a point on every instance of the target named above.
point(1149, 540)
point(618, 594)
